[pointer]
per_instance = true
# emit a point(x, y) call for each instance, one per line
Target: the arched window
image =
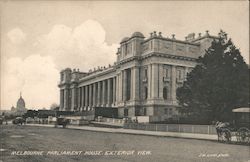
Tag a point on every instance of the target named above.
point(146, 93)
point(165, 93)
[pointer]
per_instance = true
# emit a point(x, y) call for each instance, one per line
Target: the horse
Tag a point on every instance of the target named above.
point(223, 131)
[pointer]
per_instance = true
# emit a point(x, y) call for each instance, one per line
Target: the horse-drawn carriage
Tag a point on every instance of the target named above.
point(239, 127)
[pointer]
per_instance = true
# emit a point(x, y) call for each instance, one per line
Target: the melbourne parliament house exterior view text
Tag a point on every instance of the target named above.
point(142, 81)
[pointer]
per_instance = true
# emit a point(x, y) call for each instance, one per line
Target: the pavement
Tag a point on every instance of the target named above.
point(138, 132)
point(107, 124)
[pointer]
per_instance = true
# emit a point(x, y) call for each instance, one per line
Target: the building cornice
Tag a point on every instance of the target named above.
point(97, 74)
point(172, 40)
point(206, 36)
point(159, 54)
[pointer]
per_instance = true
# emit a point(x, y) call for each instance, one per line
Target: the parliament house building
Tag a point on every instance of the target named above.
point(142, 81)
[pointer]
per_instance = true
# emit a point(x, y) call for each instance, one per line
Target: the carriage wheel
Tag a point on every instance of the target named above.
point(226, 135)
point(243, 134)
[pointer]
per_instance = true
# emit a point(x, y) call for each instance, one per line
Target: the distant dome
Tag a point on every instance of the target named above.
point(20, 103)
point(137, 34)
point(12, 108)
point(125, 39)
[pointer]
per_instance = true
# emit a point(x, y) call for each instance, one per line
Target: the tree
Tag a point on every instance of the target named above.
point(30, 113)
point(219, 82)
point(54, 106)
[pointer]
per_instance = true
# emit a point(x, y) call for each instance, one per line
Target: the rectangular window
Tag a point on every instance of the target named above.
point(62, 77)
point(144, 111)
point(146, 73)
point(125, 112)
point(170, 111)
point(179, 74)
point(166, 111)
point(126, 49)
point(166, 73)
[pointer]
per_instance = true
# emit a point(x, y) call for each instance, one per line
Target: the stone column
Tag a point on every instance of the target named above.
point(86, 97)
point(117, 89)
point(135, 83)
point(61, 99)
point(66, 99)
point(94, 94)
point(99, 93)
point(124, 86)
point(90, 96)
point(114, 91)
point(149, 81)
point(132, 83)
point(79, 98)
point(76, 99)
point(83, 97)
point(154, 80)
point(173, 84)
point(73, 98)
point(185, 72)
point(120, 87)
point(161, 81)
point(103, 94)
point(109, 93)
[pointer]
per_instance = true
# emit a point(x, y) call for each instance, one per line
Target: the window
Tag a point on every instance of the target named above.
point(145, 93)
point(144, 111)
point(126, 49)
point(62, 77)
point(165, 93)
point(146, 73)
point(166, 73)
point(170, 111)
point(179, 74)
point(125, 112)
point(166, 111)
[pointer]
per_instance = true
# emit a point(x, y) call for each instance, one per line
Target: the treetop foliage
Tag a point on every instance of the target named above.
point(218, 84)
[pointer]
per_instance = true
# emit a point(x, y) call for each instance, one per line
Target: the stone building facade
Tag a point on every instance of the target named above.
point(142, 81)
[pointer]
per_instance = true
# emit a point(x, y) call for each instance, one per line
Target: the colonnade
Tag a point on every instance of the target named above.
point(98, 94)
point(115, 91)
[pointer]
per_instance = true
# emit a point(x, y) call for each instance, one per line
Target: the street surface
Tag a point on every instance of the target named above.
point(42, 144)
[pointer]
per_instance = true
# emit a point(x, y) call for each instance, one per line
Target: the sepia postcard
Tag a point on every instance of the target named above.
point(124, 81)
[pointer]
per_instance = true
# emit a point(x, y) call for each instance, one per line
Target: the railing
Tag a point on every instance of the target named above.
point(183, 128)
point(110, 120)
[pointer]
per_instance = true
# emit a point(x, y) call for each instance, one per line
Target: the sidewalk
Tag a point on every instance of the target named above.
point(138, 132)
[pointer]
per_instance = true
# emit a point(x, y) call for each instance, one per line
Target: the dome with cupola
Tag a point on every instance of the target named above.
point(20, 105)
point(137, 34)
point(125, 39)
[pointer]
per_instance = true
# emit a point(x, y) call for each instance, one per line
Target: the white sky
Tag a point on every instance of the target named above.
point(40, 38)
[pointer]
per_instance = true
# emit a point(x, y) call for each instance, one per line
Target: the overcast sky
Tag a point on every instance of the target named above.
point(40, 38)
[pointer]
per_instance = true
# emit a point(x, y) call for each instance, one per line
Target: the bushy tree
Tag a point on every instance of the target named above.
point(54, 106)
point(30, 113)
point(218, 84)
